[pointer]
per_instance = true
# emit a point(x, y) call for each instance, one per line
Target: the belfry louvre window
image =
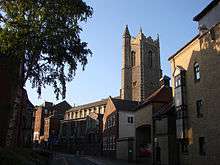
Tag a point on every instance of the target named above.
point(196, 72)
point(133, 58)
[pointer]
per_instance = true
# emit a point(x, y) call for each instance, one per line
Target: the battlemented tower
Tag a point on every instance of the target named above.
point(141, 71)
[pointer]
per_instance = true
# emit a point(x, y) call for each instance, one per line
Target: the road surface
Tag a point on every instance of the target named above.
point(67, 159)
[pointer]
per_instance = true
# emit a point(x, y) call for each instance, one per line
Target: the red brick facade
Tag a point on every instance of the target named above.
point(41, 113)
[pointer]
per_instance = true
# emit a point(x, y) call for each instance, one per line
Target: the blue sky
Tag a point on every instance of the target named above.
point(171, 19)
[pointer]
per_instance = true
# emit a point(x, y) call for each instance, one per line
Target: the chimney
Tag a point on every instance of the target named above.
point(165, 81)
point(47, 104)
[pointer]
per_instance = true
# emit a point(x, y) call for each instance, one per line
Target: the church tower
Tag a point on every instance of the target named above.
point(141, 71)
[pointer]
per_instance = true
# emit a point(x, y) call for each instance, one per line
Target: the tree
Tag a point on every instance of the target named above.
point(44, 35)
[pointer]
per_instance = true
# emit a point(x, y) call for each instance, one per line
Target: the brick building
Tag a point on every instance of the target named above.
point(164, 135)
point(93, 134)
point(47, 121)
point(144, 123)
point(72, 135)
point(195, 78)
point(81, 128)
point(52, 122)
point(41, 113)
point(118, 128)
point(51, 130)
point(84, 110)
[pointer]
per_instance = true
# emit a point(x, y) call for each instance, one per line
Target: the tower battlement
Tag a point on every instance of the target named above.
point(141, 71)
point(149, 39)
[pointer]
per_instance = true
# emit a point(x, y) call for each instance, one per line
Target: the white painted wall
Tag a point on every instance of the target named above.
point(126, 129)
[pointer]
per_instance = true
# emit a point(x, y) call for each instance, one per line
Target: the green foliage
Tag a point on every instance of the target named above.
point(44, 35)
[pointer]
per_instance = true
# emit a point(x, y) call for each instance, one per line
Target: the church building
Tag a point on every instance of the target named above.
point(141, 71)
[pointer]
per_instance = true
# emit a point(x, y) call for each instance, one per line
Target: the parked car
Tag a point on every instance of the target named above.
point(145, 150)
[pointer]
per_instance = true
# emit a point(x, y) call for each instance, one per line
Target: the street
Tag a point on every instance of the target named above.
point(68, 159)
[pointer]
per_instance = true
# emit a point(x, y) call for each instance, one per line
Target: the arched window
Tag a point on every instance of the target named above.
point(150, 54)
point(132, 58)
point(196, 72)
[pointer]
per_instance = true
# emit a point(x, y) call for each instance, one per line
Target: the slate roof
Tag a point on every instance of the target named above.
point(124, 105)
point(164, 110)
point(62, 105)
point(210, 6)
point(161, 95)
point(89, 105)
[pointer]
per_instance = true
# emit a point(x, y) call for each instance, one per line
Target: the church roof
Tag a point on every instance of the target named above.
point(124, 105)
point(209, 7)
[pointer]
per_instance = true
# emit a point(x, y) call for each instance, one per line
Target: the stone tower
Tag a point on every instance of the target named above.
point(141, 70)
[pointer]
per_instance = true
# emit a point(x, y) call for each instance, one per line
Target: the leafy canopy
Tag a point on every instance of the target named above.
point(44, 35)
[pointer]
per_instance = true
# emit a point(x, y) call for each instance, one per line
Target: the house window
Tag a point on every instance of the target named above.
point(201, 145)
point(199, 108)
point(196, 72)
point(150, 54)
point(133, 58)
point(130, 119)
point(110, 121)
point(178, 81)
point(87, 111)
point(113, 118)
point(106, 125)
point(46, 111)
point(114, 142)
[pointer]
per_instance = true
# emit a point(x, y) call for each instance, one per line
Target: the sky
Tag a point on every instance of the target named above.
point(171, 19)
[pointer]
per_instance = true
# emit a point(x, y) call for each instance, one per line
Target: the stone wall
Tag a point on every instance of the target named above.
point(140, 71)
point(204, 50)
